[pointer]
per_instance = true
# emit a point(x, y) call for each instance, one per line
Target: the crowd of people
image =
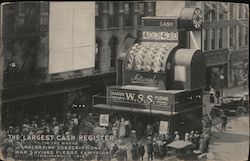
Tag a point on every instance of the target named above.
point(47, 125)
point(156, 146)
point(135, 148)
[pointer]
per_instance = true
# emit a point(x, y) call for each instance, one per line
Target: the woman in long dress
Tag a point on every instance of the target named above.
point(122, 129)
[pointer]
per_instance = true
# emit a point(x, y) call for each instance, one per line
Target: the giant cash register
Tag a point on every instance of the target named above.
point(162, 74)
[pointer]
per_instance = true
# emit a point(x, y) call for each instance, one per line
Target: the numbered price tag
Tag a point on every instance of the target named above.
point(154, 35)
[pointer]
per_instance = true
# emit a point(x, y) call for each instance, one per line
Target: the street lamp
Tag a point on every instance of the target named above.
point(221, 85)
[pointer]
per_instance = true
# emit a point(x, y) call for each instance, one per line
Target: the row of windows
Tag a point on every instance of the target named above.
point(218, 34)
point(219, 11)
point(112, 11)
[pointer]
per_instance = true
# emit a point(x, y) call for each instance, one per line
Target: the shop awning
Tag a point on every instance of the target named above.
point(135, 110)
point(44, 93)
point(179, 144)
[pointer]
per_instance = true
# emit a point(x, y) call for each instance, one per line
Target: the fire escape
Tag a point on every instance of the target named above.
point(22, 38)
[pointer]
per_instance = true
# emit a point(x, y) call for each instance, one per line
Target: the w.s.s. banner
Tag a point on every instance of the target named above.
point(140, 98)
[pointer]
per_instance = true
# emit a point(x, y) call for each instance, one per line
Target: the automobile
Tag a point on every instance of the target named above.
point(232, 105)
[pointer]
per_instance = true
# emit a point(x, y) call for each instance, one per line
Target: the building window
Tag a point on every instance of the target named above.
point(207, 11)
point(240, 11)
point(246, 12)
point(206, 32)
point(98, 15)
point(191, 3)
point(44, 7)
point(150, 9)
point(222, 13)
point(128, 14)
point(246, 36)
point(212, 38)
point(231, 37)
point(113, 14)
point(98, 46)
point(142, 12)
point(207, 17)
point(231, 10)
point(113, 44)
point(240, 36)
point(213, 15)
point(22, 9)
point(220, 37)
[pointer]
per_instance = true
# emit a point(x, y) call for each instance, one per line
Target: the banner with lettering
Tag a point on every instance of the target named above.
point(139, 98)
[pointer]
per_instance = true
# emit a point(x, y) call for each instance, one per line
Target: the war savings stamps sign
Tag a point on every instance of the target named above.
point(140, 99)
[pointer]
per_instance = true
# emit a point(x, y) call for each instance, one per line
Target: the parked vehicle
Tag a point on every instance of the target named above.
point(232, 105)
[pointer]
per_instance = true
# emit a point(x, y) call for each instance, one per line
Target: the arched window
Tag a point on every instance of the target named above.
point(113, 43)
point(98, 53)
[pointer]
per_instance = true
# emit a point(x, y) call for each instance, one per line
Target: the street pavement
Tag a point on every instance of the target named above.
point(232, 144)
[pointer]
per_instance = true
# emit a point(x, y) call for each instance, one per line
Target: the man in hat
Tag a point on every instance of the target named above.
point(150, 148)
point(135, 150)
point(224, 122)
point(114, 150)
point(177, 137)
point(141, 151)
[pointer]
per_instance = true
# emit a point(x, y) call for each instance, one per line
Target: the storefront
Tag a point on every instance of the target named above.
point(239, 67)
point(159, 80)
point(216, 65)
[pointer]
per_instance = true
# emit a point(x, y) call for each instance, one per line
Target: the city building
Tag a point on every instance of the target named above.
point(226, 42)
point(29, 85)
point(225, 38)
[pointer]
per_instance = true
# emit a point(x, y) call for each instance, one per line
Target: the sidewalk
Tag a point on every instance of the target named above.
point(226, 92)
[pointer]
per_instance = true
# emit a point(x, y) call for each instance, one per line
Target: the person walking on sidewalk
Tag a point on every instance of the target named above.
point(224, 122)
point(217, 95)
point(211, 95)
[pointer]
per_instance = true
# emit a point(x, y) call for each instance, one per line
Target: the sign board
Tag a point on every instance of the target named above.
point(163, 127)
point(140, 98)
point(71, 36)
point(216, 57)
point(160, 35)
point(163, 23)
point(104, 120)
